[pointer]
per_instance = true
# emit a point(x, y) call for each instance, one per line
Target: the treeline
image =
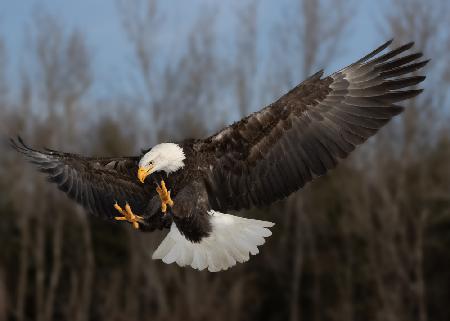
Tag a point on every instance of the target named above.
point(370, 241)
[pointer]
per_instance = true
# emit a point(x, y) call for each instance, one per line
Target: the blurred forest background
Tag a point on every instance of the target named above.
point(370, 241)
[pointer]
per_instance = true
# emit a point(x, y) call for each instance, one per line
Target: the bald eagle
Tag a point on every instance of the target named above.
point(252, 163)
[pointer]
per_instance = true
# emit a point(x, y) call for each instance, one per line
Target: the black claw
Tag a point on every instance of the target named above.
point(156, 181)
point(168, 216)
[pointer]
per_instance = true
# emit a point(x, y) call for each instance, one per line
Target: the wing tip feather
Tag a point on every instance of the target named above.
point(18, 144)
point(375, 52)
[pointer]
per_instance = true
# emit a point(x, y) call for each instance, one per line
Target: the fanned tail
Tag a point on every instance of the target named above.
point(232, 240)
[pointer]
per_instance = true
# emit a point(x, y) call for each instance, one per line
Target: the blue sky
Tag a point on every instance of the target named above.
point(100, 21)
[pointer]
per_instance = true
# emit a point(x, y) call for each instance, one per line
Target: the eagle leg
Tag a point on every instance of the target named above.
point(164, 195)
point(128, 215)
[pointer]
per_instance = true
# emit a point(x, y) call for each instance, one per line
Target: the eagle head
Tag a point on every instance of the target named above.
point(167, 157)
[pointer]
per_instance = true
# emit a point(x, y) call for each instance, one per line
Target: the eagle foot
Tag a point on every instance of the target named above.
point(164, 195)
point(128, 215)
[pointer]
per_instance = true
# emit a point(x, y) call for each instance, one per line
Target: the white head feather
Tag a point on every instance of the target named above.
point(167, 157)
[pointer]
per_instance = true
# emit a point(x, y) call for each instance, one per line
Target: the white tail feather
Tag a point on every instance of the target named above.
point(232, 240)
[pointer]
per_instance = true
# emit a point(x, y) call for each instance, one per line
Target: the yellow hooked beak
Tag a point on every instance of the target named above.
point(143, 172)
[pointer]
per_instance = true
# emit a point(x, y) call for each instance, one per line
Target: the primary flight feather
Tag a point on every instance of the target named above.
point(254, 162)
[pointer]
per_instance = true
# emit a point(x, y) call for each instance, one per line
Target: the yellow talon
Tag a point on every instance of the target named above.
point(164, 195)
point(128, 215)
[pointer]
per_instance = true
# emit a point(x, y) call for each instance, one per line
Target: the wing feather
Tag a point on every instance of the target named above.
point(95, 183)
point(273, 152)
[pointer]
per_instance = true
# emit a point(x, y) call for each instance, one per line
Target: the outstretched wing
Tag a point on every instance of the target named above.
point(274, 152)
point(95, 183)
